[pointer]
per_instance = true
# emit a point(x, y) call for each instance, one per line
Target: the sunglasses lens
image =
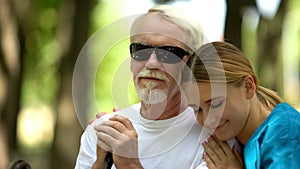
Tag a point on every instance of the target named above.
point(171, 54)
point(165, 54)
point(140, 52)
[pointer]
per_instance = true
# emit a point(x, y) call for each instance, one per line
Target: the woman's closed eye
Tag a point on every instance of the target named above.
point(217, 104)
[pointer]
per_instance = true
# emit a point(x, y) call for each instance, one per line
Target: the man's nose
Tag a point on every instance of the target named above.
point(153, 62)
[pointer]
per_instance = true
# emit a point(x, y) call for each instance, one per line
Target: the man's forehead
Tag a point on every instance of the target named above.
point(155, 39)
point(155, 24)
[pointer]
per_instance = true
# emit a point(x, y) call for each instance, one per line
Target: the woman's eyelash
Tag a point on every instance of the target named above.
point(218, 104)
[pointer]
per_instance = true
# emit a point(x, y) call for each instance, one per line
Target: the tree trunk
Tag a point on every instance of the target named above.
point(10, 77)
point(269, 35)
point(68, 129)
point(233, 23)
point(234, 19)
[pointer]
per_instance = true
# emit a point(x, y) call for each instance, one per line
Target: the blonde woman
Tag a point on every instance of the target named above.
point(257, 117)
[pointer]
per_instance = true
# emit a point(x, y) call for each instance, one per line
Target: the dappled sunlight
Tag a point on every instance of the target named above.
point(200, 10)
point(35, 126)
point(291, 59)
point(268, 8)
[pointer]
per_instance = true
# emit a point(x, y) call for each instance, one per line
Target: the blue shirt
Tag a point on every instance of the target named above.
point(276, 142)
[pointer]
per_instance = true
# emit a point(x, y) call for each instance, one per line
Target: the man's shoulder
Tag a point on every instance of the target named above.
point(128, 111)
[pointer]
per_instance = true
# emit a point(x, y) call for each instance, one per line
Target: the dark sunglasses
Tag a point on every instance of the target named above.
point(164, 54)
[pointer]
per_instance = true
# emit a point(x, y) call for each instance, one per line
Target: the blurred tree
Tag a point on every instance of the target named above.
point(74, 22)
point(234, 19)
point(11, 52)
point(269, 38)
point(28, 47)
point(269, 34)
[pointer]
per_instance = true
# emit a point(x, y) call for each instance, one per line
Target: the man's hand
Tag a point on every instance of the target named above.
point(119, 136)
point(218, 155)
point(101, 153)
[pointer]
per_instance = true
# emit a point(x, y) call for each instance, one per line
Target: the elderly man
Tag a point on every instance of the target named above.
point(161, 130)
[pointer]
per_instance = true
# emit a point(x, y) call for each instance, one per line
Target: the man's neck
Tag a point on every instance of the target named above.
point(169, 108)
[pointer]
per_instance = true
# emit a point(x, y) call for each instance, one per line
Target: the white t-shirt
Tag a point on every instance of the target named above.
point(172, 143)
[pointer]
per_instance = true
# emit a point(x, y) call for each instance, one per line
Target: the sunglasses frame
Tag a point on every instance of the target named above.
point(162, 52)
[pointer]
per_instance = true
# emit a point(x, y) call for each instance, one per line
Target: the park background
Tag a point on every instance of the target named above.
point(42, 39)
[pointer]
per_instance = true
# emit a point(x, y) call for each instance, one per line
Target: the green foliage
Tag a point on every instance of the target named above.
point(112, 88)
point(41, 55)
point(113, 84)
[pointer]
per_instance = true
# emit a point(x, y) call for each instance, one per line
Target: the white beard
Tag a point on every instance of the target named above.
point(152, 96)
point(149, 95)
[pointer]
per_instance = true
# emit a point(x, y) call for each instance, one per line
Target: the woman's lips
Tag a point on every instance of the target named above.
point(221, 126)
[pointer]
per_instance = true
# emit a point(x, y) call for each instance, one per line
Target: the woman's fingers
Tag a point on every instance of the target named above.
point(224, 146)
point(210, 151)
point(219, 154)
point(216, 147)
point(237, 154)
point(100, 114)
point(209, 162)
point(97, 117)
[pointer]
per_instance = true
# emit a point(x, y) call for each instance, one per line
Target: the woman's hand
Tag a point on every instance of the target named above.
point(100, 115)
point(218, 155)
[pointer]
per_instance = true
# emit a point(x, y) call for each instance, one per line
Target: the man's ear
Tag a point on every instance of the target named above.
point(250, 86)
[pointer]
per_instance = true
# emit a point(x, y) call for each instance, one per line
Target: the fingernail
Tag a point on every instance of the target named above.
point(236, 146)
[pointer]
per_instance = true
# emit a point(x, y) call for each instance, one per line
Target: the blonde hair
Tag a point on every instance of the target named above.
point(186, 23)
point(223, 62)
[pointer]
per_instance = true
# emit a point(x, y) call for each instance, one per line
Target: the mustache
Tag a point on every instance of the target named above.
point(153, 74)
